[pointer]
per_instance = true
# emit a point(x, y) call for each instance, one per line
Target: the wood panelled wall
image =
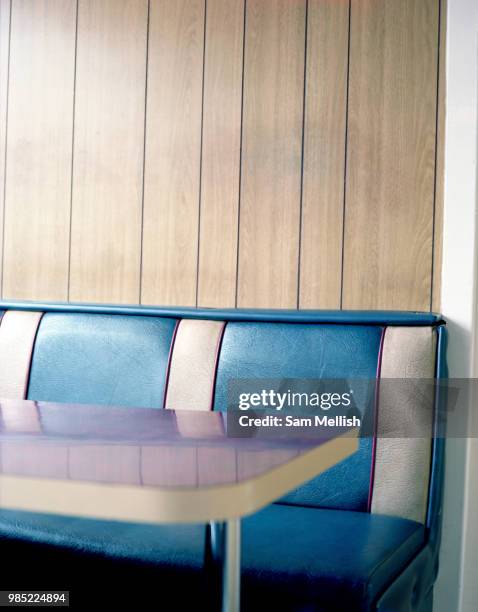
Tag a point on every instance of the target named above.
point(269, 153)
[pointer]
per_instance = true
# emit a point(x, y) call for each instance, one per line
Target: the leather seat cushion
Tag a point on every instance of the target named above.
point(306, 559)
point(293, 558)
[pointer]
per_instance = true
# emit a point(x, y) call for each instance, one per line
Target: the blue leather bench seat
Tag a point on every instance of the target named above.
point(293, 558)
point(322, 548)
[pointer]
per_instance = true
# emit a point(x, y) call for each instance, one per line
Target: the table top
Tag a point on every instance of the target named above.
point(137, 464)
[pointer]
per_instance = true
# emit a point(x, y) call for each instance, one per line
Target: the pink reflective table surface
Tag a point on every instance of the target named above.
point(139, 446)
point(171, 454)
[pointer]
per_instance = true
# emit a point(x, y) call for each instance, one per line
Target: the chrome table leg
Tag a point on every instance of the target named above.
point(231, 577)
point(226, 549)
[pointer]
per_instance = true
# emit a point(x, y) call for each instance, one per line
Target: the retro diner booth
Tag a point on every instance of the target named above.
point(196, 193)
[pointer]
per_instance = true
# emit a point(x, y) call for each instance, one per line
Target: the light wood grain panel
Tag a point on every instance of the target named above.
point(391, 150)
point(197, 198)
point(108, 150)
point(4, 49)
point(173, 148)
point(271, 157)
point(440, 169)
point(38, 171)
point(221, 153)
point(4, 62)
point(324, 154)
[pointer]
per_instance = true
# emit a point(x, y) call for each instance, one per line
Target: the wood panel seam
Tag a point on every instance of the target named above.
point(6, 140)
point(302, 152)
point(144, 155)
point(344, 208)
point(201, 153)
point(437, 119)
point(240, 153)
point(72, 153)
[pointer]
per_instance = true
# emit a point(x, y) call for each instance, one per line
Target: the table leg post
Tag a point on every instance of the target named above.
point(216, 542)
point(231, 579)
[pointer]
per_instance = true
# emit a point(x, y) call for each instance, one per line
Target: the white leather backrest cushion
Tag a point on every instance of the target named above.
point(193, 365)
point(402, 465)
point(17, 337)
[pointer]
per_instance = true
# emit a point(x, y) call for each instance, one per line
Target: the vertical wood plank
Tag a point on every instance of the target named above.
point(173, 148)
point(221, 153)
point(108, 150)
point(4, 51)
point(440, 169)
point(324, 154)
point(38, 172)
point(391, 154)
point(271, 157)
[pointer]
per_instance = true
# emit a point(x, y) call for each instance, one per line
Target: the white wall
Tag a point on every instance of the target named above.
point(457, 586)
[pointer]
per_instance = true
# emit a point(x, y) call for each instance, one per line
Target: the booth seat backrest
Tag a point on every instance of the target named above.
point(184, 359)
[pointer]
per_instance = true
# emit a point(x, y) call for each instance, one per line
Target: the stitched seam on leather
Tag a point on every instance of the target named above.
point(434, 441)
point(404, 568)
point(27, 381)
point(375, 424)
point(216, 364)
point(170, 358)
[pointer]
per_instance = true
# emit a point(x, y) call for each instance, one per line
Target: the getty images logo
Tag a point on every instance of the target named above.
point(269, 398)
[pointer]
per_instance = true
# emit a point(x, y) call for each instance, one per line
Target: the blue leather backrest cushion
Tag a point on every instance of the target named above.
point(293, 350)
point(101, 359)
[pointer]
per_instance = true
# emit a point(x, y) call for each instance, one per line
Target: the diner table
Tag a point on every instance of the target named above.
point(154, 466)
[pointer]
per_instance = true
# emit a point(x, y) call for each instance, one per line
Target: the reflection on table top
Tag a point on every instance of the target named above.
point(159, 451)
point(132, 446)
